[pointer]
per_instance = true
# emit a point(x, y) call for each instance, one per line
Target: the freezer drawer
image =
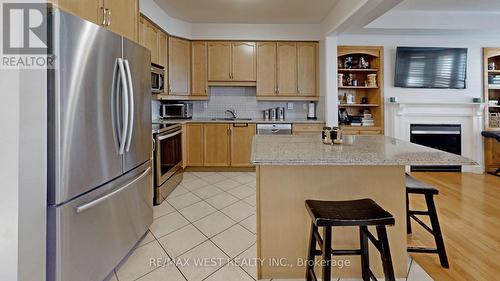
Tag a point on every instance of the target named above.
point(89, 236)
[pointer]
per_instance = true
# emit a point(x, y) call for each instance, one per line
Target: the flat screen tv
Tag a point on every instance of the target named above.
point(428, 67)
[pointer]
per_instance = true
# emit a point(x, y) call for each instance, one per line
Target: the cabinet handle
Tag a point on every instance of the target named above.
point(109, 17)
point(104, 14)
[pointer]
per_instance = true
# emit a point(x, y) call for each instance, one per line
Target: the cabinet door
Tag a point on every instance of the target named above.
point(162, 49)
point(216, 145)
point(287, 68)
point(219, 61)
point(266, 69)
point(150, 40)
point(194, 144)
point(243, 61)
point(199, 68)
point(306, 69)
point(90, 10)
point(179, 66)
point(163, 57)
point(124, 17)
point(241, 144)
point(142, 31)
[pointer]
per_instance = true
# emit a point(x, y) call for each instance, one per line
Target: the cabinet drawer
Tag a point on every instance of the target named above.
point(307, 127)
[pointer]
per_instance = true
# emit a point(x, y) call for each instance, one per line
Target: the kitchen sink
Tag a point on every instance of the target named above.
point(232, 119)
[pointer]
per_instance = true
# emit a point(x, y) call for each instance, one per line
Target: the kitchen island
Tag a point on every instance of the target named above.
point(291, 169)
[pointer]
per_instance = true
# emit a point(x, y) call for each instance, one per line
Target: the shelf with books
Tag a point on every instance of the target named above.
point(363, 103)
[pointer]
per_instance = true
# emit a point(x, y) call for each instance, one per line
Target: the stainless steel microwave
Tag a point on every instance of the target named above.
point(157, 78)
point(176, 110)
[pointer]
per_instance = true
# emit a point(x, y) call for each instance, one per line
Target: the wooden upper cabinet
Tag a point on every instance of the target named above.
point(219, 61)
point(87, 9)
point(149, 38)
point(216, 145)
point(163, 50)
point(287, 68)
point(194, 144)
point(123, 17)
point(243, 61)
point(179, 66)
point(307, 69)
point(266, 69)
point(241, 144)
point(198, 68)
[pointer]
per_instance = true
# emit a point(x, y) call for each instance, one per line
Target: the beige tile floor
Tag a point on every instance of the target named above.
point(209, 221)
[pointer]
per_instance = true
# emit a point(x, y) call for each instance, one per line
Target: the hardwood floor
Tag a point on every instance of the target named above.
point(469, 213)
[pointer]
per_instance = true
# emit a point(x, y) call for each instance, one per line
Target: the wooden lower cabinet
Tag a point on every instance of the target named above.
point(216, 152)
point(194, 145)
point(241, 144)
point(218, 144)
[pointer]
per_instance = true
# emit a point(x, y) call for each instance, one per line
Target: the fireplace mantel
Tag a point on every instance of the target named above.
point(400, 115)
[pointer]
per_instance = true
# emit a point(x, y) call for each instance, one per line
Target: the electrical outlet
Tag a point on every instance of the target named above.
point(205, 104)
point(304, 106)
point(290, 105)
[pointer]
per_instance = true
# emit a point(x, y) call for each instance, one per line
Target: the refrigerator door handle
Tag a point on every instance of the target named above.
point(88, 205)
point(131, 104)
point(125, 100)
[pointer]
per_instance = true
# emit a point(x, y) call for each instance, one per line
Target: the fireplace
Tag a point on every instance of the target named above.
point(443, 137)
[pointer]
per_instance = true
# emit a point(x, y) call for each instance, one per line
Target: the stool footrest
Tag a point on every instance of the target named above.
point(346, 252)
point(422, 250)
point(415, 212)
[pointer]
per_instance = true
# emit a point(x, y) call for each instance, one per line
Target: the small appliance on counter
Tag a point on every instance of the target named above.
point(272, 114)
point(266, 114)
point(280, 113)
point(311, 111)
point(157, 78)
point(176, 111)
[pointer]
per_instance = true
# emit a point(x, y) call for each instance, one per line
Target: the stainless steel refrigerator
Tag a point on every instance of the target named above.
point(100, 148)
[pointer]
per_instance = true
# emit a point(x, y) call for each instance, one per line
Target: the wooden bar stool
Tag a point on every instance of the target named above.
point(414, 186)
point(362, 213)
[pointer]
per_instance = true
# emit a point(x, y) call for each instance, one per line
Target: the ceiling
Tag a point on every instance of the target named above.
point(449, 5)
point(249, 11)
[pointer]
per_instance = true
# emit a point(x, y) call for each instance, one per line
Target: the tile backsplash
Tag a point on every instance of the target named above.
point(243, 100)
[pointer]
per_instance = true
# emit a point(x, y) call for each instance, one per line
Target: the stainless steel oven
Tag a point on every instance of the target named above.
point(157, 78)
point(168, 161)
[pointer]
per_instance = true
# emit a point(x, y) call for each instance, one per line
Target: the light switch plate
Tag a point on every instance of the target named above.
point(290, 105)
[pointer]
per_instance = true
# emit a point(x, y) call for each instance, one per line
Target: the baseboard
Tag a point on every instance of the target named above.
point(219, 169)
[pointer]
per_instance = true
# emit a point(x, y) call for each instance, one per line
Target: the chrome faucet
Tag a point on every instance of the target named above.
point(232, 112)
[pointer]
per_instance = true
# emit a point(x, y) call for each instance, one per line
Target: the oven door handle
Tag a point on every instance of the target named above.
point(169, 135)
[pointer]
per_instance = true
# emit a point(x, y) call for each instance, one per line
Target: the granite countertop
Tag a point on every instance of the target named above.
point(256, 120)
point(355, 150)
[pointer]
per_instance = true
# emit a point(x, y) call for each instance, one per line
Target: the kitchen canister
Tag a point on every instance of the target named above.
point(325, 135)
point(336, 135)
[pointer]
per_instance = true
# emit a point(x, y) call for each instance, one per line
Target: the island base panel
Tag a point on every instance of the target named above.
point(283, 224)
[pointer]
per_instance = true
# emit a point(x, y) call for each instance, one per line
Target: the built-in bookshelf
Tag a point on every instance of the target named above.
point(360, 88)
point(491, 70)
